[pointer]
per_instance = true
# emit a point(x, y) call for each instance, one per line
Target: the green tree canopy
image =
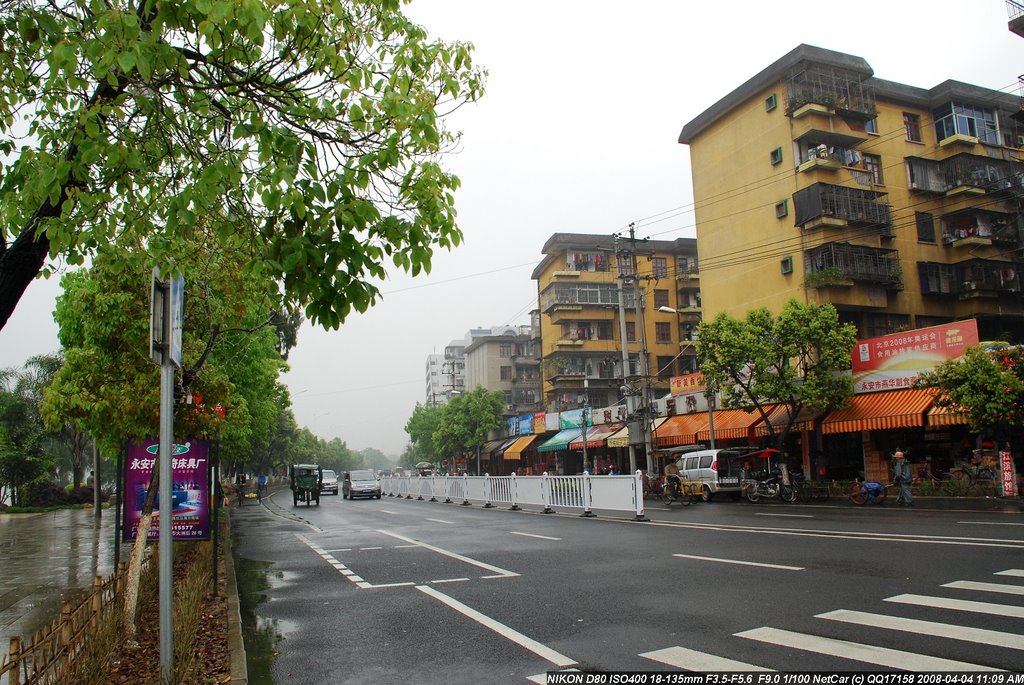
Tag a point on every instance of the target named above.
point(791, 359)
point(421, 427)
point(467, 419)
point(306, 134)
point(987, 386)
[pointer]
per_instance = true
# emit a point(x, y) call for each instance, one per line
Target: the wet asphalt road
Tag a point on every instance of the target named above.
point(391, 590)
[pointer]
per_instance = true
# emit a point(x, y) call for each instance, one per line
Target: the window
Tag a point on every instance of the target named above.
point(781, 209)
point(506, 373)
point(625, 263)
point(958, 117)
point(770, 103)
point(871, 126)
point(873, 165)
point(505, 350)
point(786, 264)
point(660, 298)
point(912, 125)
point(776, 156)
point(925, 227)
point(663, 332)
point(630, 331)
point(665, 365)
point(659, 267)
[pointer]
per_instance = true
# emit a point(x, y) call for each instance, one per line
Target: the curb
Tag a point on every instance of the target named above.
point(236, 646)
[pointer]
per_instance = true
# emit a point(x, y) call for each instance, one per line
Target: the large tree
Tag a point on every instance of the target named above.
point(466, 421)
point(306, 133)
point(792, 360)
point(987, 386)
point(421, 427)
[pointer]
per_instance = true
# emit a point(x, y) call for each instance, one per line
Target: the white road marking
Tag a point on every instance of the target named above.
point(405, 546)
point(691, 660)
point(534, 535)
point(441, 521)
point(1017, 572)
point(743, 563)
point(501, 573)
point(986, 587)
point(911, 625)
point(537, 648)
point(880, 656)
point(366, 549)
point(959, 605)
point(448, 580)
point(794, 516)
point(388, 511)
point(849, 535)
point(989, 523)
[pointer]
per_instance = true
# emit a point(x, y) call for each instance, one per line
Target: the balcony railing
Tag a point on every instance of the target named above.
point(855, 206)
point(967, 172)
point(839, 90)
point(971, 278)
point(857, 263)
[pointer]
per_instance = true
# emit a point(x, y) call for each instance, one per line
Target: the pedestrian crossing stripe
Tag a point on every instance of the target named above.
point(987, 587)
point(879, 656)
point(692, 660)
point(912, 625)
point(959, 605)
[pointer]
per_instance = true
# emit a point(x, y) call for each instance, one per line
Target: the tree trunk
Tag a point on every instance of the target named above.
point(131, 594)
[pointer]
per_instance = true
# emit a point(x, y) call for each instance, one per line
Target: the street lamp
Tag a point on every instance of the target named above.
point(709, 394)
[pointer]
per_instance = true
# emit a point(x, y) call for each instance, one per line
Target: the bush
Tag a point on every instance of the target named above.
point(80, 495)
point(44, 495)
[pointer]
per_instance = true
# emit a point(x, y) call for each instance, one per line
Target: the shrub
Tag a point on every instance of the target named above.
point(44, 495)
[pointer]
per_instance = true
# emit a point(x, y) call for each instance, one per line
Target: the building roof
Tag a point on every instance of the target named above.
point(559, 242)
point(923, 98)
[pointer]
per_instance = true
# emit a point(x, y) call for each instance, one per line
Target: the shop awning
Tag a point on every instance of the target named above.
point(620, 438)
point(490, 446)
point(515, 450)
point(680, 429)
point(946, 416)
point(500, 449)
point(596, 436)
point(560, 440)
point(880, 411)
point(778, 417)
point(731, 424)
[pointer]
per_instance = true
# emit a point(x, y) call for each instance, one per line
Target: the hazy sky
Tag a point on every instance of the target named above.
point(577, 133)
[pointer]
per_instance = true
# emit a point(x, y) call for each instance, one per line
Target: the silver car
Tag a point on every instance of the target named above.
point(362, 483)
point(330, 482)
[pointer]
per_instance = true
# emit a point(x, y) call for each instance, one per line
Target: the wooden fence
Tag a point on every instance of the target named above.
point(47, 657)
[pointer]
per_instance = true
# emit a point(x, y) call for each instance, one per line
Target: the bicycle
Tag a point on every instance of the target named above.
point(972, 473)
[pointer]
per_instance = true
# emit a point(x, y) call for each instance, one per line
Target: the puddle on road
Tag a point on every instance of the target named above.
point(261, 635)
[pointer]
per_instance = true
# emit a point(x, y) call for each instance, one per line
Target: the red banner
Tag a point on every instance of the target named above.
point(890, 362)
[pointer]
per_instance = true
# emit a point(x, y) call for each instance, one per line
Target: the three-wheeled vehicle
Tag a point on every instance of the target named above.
point(306, 479)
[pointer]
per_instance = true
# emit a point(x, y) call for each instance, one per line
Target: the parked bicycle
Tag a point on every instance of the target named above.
point(867, 492)
point(973, 473)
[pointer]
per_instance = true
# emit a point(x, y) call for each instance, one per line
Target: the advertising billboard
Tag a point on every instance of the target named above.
point(891, 362)
point(691, 382)
point(190, 519)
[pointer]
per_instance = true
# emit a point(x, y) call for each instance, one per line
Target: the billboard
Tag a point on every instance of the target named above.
point(190, 491)
point(691, 382)
point(891, 362)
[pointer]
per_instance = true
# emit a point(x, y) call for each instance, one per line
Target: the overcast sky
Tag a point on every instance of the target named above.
point(577, 133)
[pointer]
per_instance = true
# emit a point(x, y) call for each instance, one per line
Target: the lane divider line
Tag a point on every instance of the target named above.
point(742, 563)
point(500, 572)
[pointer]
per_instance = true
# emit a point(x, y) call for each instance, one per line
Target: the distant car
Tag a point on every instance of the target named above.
point(330, 482)
point(360, 484)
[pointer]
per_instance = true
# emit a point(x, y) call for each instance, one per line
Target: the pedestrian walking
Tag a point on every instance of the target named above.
point(902, 477)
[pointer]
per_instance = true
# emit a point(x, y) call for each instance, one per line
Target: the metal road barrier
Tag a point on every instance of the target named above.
point(582, 493)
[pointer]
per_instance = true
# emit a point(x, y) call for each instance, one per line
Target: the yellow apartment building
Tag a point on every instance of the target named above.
point(899, 205)
point(580, 318)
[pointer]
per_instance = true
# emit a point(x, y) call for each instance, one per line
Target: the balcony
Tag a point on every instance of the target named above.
point(845, 265)
point(824, 90)
point(1015, 10)
point(966, 174)
point(824, 205)
point(973, 227)
point(971, 279)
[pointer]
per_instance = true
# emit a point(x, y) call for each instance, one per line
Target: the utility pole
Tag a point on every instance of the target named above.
point(630, 404)
point(645, 373)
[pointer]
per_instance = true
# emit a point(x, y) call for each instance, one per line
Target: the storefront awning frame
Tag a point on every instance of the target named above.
point(883, 410)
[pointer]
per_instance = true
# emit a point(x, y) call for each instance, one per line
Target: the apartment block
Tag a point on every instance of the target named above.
point(900, 205)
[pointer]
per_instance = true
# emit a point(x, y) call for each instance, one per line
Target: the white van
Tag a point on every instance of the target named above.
point(718, 470)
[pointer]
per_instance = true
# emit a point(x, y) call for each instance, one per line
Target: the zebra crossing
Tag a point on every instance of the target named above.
point(684, 659)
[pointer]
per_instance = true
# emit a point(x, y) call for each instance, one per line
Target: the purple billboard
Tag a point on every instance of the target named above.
point(190, 490)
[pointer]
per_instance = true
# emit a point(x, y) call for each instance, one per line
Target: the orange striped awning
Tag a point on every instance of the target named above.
point(880, 411)
point(778, 417)
point(945, 416)
point(731, 424)
point(680, 429)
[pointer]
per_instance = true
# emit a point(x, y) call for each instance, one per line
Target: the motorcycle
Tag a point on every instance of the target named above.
point(768, 485)
point(867, 492)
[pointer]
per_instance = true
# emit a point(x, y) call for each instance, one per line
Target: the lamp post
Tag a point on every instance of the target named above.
point(709, 393)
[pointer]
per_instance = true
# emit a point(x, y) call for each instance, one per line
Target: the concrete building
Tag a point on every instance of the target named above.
point(435, 391)
point(506, 360)
point(582, 333)
point(899, 205)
